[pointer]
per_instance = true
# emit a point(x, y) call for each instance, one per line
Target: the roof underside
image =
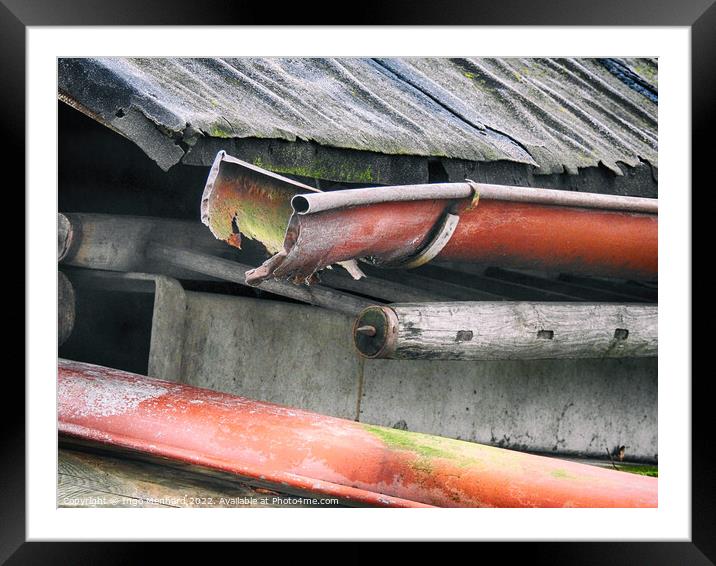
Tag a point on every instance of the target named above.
point(556, 115)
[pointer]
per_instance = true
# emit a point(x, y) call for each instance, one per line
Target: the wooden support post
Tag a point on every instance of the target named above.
point(506, 330)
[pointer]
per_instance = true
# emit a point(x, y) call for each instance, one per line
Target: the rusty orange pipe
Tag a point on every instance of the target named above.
point(302, 452)
point(535, 236)
point(504, 233)
point(516, 227)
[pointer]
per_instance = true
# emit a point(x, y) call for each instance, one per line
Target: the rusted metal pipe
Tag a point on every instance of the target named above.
point(302, 452)
point(241, 196)
point(320, 202)
point(407, 226)
point(504, 233)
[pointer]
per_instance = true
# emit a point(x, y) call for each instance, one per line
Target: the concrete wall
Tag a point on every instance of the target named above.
point(290, 354)
point(303, 356)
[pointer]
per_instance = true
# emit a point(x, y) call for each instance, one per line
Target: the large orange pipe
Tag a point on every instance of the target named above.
point(515, 227)
point(302, 452)
point(509, 234)
point(579, 240)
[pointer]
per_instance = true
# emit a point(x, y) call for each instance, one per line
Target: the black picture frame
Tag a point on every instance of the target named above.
point(16, 15)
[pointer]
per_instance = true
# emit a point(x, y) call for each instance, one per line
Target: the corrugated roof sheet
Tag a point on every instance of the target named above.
point(556, 114)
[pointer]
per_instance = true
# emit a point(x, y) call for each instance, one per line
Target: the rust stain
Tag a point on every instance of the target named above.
point(242, 198)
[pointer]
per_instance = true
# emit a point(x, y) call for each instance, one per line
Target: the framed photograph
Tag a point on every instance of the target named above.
point(410, 263)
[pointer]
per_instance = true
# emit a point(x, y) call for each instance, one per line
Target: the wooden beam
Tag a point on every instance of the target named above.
point(552, 284)
point(105, 479)
point(236, 272)
point(506, 330)
point(118, 243)
point(383, 289)
point(511, 290)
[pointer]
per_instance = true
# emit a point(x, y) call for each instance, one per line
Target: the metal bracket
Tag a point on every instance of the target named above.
point(444, 232)
point(445, 229)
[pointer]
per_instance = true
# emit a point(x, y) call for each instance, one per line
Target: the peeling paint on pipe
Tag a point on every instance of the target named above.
point(303, 452)
point(514, 227)
point(241, 197)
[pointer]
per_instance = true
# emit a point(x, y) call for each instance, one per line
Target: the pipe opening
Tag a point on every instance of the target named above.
point(300, 204)
point(545, 334)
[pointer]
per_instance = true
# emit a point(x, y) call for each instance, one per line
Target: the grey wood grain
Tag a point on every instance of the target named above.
point(524, 330)
point(88, 479)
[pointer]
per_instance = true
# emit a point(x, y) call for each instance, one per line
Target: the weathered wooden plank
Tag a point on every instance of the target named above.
point(577, 291)
point(117, 243)
point(383, 289)
point(637, 290)
point(441, 290)
point(507, 330)
point(236, 272)
point(87, 479)
point(512, 290)
point(177, 248)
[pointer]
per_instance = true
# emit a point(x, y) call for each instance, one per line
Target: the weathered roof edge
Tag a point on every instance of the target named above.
point(140, 115)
